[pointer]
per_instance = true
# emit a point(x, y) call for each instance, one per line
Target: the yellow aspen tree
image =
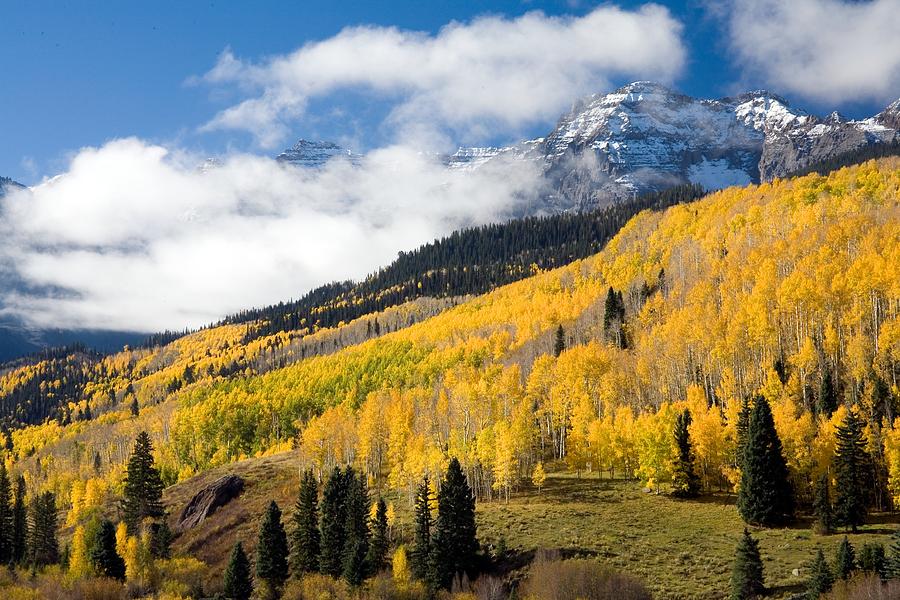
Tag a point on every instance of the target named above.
point(400, 566)
point(121, 538)
point(538, 476)
point(79, 561)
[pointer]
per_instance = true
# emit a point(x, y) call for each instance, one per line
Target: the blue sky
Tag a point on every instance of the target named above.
point(81, 73)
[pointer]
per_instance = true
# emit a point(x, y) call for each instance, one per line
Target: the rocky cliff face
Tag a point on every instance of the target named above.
point(7, 185)
point(646, 137)
point(314, 154)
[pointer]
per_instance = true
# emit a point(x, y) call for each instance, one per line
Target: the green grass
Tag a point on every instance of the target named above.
point(681, 549)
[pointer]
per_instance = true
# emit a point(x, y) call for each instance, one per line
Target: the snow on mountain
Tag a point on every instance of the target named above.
point(314, 154)
point(645, 136)
point(7, 185)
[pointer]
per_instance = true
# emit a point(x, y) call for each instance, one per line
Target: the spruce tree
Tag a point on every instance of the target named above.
point(356, 531)
point(334, 520)
point(104, 557)
point(872, 559)
point(820, 577)
point(238, 579)
point(43, 541)
point(892, 563)
point(420, 556)
point(822, 506)
point(743, 423)
point(6, 516)
point(272, 552)
point(378, 547)
point(851, 465)
point(143, 485)
point(134, 406)
point(827, 400)
point(305, 538)
point(845, 561)
point(161, 540)
point(747, 573)
point(559, 344)
point(20, 523)
point(765, 496)
point(455, 543)
point(685, 482)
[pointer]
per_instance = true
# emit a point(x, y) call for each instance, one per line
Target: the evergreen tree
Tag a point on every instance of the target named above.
point(161, 540)
point(892, 563)
point(827, 400)
point(420, 557)
point(845, 561)
point(559, 344)
point(743, 423)
point(272, 552)
point(851, 465)
point(6, 516)
point(305, 538)
point(20, 523)
point(685, 482)
point(334, 520)
point(104, 557)
point(765, 496)
point(356, 531)
point(135, 407)
point(238, 580)
point(610, 309)
point(822, 506)
point(143, 485)
point(872, 559)
point(747, 573)
point(43, 541)
point(455, 542)
point(378, 547)
point(820, 577)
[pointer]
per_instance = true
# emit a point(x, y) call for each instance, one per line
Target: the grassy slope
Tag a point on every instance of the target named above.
point(681, 549)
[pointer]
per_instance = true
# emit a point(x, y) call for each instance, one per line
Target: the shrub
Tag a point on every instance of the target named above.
point(580, 579)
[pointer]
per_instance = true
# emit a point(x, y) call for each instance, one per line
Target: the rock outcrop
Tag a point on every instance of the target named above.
point(206, 501)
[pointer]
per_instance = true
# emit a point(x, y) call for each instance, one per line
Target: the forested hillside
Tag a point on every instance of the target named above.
point(657, 359)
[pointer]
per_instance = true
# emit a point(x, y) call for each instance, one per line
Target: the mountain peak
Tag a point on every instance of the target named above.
point(314, 153)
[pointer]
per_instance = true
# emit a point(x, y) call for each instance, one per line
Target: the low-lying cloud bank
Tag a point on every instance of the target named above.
point(135, 237)
point(493, 72)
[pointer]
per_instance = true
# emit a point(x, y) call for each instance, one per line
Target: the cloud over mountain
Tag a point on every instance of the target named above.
point(494, 71)
point(825, 50)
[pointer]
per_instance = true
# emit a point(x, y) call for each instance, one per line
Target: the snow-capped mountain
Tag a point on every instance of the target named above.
point(314, 154)
point(645, 136)
point(7, 185)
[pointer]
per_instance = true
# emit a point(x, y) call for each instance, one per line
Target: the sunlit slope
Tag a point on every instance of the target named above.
point(715, 292)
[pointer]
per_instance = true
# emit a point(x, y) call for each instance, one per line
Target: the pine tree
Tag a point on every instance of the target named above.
point(559, 344)
point(356, 532)
point(420, 557)
point(378, 547)
point(305, 538)
point(892, 563)
point(334, 520)
point(820, 577)
point(20, 523)
point(135, 407)
point(161, 540)
point(143, 485)
point(851, 464)
point(43, 540)
point(104, 557)
point(685, 482)
point(765, 496)
point(845, 561)
point(272, 552)
point(238, 580)
point(6, 516)
point(743, 423)
point(872, 559)
point(822, 507)
point(455, 542)
point(827, 400)
point(747, 573)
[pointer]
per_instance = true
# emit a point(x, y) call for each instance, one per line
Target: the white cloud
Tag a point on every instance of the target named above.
point(493, 71)
point(825, 50)
point(136, 238)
